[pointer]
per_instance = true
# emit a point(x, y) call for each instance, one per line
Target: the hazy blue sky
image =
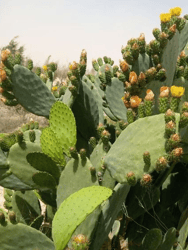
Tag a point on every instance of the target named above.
point(62, 28)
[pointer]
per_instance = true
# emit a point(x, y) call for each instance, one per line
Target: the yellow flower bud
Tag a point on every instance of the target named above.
point(54, 88)
point(44, 67)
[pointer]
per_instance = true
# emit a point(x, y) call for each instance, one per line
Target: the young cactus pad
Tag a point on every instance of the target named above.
point(63, 123)
point(145, 134)
point(61, 135)
point(74, 210)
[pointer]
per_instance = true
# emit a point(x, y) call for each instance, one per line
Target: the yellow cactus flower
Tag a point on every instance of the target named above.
point(165, 17)
point(177, 91)
point(45, 68)
point(175, 11)
point(54, 88)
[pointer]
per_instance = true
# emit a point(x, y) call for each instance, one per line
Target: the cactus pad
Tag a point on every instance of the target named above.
point(18, 162)
point(145, 134)
point(51, 146)
point(63, 124)
point(20, 236)
point(31, 92)
point(75, 176)
point(74, 210)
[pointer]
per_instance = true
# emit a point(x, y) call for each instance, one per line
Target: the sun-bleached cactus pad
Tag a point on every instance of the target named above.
point(20, 236)
point(63, 124)
point(74, 210)
point(145, 134)
point(51, 146)
point(31, 92)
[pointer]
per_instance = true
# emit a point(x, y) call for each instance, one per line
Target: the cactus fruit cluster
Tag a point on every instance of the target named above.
point(112, 164)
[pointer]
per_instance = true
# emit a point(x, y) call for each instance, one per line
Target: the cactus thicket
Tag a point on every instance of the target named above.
point(112, 164)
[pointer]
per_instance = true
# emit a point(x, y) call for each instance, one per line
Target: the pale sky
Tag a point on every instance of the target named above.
point(62, 28)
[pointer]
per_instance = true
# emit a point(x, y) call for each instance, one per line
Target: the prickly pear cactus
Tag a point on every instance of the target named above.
point(82, 203)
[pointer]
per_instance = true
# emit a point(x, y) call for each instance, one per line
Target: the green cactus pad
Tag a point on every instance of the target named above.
point(183, 229)
point(149, 199)
point(14, 183)
point(95, 90)
point(19, 164)
point(44, 163)
point(145, 134)
point(96, 84)
point(20, 236)
point(110, 210)
point(74, 210)
point(63, 124)
point(169, 58)
point(37, 222)
point(44, 179)
point(88, 226)
point(115, 102)
point(183, 37)
point(51, 146)
point(3, 160)
point(109, 114)
point(152, 239)
point(142, 64)
point(67, 98)
point(37, 135)
point(86, 112)
point(168, 240)
point(26, 206)
point(96, 159)
point(49, 83)
point(31, 92)
point(75, 176)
